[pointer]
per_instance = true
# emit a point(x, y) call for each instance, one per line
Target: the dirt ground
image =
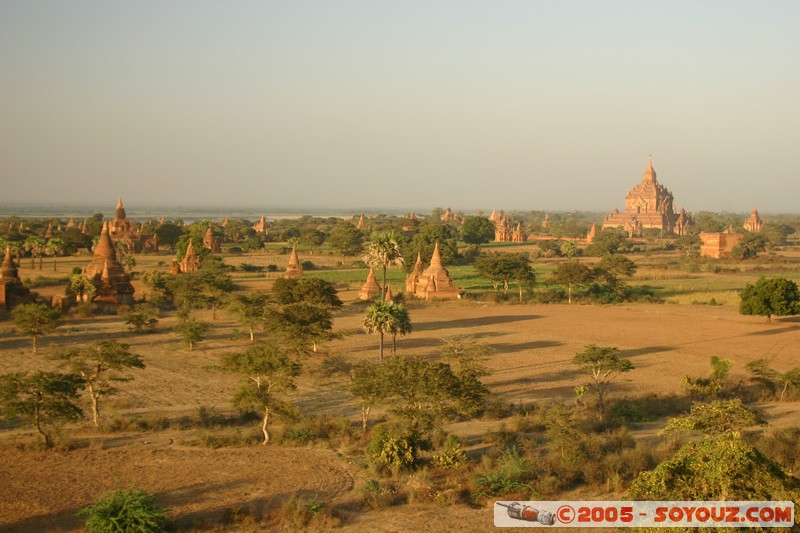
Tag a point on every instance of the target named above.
point(534, 344)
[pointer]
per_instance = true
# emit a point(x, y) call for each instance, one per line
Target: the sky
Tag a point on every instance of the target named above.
point(526, 105)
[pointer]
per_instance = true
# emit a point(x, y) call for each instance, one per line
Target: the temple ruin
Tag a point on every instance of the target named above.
point(12, 291)
point(370, 289)
point(754, 223)
point(212, 243)
point(434, 281)
point(294, 269)
point(106, 273)
point(719, 244)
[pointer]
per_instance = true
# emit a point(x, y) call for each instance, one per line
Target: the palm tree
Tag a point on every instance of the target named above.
point(379, 319)
point(400, 325)
point(384, 251)
point(36, 246)
point(54, 247)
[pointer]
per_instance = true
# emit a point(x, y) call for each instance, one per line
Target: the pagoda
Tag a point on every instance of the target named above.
point(412, 280)
point(12, 291)
point(106, 273)
point(435, 281)
point(361, 225)
point(370, 289)
point(294, 269)
point(121, 229)
point(754, 223)
point(189, 263)
point(211, 242)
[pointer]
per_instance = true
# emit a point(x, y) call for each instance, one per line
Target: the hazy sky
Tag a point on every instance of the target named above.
point(550, 105)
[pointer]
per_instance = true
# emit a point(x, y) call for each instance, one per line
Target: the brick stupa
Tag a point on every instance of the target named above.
point(754, 223)
point(370, 289)
point(211, 242)
point(12, 291)
point(294, 269)
point(106, 273)
point(412, 280)
point(435, 281)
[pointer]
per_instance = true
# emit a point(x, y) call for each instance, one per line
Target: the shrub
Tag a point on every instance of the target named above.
point(124, 510)
point(391, 448)
point(453, 454)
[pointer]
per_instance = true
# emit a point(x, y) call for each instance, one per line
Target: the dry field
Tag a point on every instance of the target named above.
point(534, 344)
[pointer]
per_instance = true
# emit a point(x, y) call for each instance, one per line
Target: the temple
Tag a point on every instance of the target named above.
point(412, 280)
point(754, 223)
point(261, 225)
point(211, 242)
point(719, 244)
point(592, 234)
point(361, 225)
point(294, 269)
point(189, 263)
point(12, 291)
point(648, 205)
point(370, 289)
point(122, 229)
point(106, 273)
point(435, 281)
point(503, 230)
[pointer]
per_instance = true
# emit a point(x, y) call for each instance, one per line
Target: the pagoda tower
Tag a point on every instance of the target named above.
point(12, 291)
point(294, 269)
point(106, 273)
point(435, 281)
point(211, 242)
point(370, 289)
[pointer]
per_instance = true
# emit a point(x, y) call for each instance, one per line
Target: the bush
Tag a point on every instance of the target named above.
point(246, 267)
point(124, 510)
point(393, 449)
point(453, 454)
point(308, 265)
point(142, 320)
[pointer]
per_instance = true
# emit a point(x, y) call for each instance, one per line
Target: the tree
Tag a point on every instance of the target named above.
point(367, 387)
point(400, 325)
point(168, 234)
point(425, 240)
point(142, 319)
point(569, 249)
point(80, 288)
point(215, 285)
point(54, 248)
point(379, 320)
point(35, 320)
point(36, 246)
point(306, 290)
point(423, 393)
point(776, 234)
point(690, 244)
point(41, 399)
point(312, 238)
point(298, 325)
point(98, 364)
point(604, 365)
point(571, 274)
point(192, 331)
point(346, 239)
point(750, 246)
point(477, 230)
point(466, 354)
point(383, 251)
point(504, 268)
point(608, 241)
point(250, 311)
point(770, 296)
point(156, 281)
point(773, 379)
point(270, 375)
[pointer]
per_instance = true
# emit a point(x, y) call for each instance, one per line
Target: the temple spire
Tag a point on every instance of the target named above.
point(436, 258)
